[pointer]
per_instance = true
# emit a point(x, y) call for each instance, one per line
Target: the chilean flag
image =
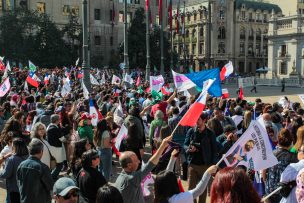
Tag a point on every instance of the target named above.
point(46, 79)
point(226, 70)
point(2, 65)
point(32, 79)
point(94, 113)
point(225, 93)
point(195, 110)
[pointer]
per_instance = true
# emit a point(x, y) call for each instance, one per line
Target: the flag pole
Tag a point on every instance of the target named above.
point(272, 193)
point(147, 40)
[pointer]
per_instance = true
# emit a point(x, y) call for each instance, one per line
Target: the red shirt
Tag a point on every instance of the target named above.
point(160, 106)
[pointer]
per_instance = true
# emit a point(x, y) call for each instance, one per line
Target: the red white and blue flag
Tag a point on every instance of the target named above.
point(226, 70)
point(94, 113)
point(195, 110)
point(225, 93)
point(32, 79)
point(46, 79)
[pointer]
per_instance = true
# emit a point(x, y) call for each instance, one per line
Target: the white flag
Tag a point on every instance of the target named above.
point(8, 67)
point(123, 132)
point(118, 115)
point(103, 78)
point(77, 61)
point(66, 89)
point(85, 91)
point(116, 80)
point(93, 80)
point(5, 74)
point(26, 86)
point(5, 87)
point(181, 82)
point(148, 180)
point(252, 150)
point(156, 82)
point(128, 79)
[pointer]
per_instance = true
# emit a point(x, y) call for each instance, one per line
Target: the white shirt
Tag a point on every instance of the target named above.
point(289, 174)
point(183, 197)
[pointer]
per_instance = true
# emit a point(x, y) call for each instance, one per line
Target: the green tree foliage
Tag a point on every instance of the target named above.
point(137, 44)
point(28, 35)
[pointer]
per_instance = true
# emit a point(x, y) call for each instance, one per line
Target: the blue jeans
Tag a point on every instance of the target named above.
point(105, 166)
point(55, 172)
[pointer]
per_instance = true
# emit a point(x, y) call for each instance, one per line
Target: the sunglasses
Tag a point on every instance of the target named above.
point(70, 194)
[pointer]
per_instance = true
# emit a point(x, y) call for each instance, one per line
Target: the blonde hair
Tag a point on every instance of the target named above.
point(300, 135)
point(247, 119)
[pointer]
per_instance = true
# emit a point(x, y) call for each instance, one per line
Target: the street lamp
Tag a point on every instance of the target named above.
point(126, 60)
point(85, 68)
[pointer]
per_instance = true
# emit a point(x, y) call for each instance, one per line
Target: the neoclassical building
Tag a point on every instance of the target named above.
point(238, 33)
point(104, 34)
point(286, 46)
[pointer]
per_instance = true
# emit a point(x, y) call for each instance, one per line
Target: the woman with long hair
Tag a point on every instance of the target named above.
point(81, 146)
point(19, 154)
point(39, 132)
point(247, 120)
point(102, 141)
point(166, 186)
point(233, 185)
point(133, 143)
point(14, 126)
point(89, 178)
point(300, 140)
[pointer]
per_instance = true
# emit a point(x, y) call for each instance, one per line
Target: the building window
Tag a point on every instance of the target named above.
point(221, 33)
point(242, 48)
point(283, 68)
point(265, 18)
point(257, 48)
point(201, 31)
point(201, 48)
point(96, 14)
point(221, 48)
point(136, 1)
point(193, 49)
point(111, 14)
point(111, 40)
point(242, 33)
point(40, 7)
point(97, 40)
point(187, 33)
point(194, 16)
point(129, 17)
point(66, 10)
point(222, 14)
point(243, 15)
point(283, 50)
point(250, 16)
point(193, 33)
point(121, 17)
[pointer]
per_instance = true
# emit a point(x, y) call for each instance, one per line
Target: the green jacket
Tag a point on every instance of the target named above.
point(86, 131)
point(153, 126)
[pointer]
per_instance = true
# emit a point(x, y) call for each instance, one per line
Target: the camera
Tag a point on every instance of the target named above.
point(195, 144)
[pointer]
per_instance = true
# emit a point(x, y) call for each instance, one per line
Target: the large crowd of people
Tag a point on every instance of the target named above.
point(52, 151)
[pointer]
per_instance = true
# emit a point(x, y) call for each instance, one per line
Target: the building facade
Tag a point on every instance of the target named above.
point(105, 19)
point(238, 33)
point(290, 7)
point(286, 47)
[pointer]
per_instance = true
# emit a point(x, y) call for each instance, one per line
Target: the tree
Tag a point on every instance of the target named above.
point(137, 44)
point(28, 35)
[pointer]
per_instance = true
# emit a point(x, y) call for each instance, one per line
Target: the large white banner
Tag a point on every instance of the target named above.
point(123, 132)
point(252, 149)
point(156, 82)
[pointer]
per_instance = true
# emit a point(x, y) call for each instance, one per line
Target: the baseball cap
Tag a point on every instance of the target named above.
point(63, 186)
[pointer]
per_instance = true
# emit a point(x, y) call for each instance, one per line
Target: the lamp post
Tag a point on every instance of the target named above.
point(209, 34)
point(162, 68)
point(147, 42)
point(126, 60)
point(85, 68)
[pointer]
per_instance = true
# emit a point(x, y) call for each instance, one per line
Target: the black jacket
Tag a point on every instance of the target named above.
point(53, 134)
point(208, 145)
